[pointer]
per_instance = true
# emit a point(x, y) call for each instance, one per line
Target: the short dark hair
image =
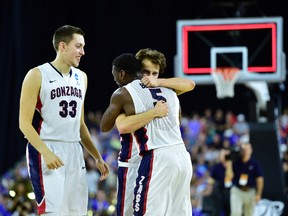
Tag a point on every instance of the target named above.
point(127, 62)
point(65, 33)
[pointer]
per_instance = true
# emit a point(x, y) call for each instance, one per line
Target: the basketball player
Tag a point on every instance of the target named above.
point(56, 90)
point(153, 63)
point(121, 100)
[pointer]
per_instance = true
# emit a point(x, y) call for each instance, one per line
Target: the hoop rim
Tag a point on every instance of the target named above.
point(228, 73)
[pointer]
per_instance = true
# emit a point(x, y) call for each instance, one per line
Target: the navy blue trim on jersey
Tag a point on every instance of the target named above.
point(142, 184)
point(126, 149)
point(36, 122)
point(70, 72)
point(141, 138)
point(122, 177)
point(36, 172)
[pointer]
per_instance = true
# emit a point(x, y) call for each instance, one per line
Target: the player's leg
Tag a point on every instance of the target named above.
point(152, 194)
point(75, 200)
point(48, 184)
point(125, 190)
point(181, 204)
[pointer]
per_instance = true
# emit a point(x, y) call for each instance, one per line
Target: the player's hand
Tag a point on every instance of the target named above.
point(161, 109)
point(52, 161)
point(103, 168)
point(150, 81)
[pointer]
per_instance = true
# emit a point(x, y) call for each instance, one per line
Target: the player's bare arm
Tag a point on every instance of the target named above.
point(129, 124)
point(180, 85)
point(88, 144)
point(114, 109)
point(28, 99)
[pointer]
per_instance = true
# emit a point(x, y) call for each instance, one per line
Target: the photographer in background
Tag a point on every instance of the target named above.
point(247, 177)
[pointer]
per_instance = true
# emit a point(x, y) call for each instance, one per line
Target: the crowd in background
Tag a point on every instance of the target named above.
point(205, 134)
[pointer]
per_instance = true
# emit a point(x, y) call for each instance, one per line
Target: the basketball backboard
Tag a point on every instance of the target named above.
point(254, 45)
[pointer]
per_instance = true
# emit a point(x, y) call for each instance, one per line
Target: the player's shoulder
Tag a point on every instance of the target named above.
point(33, 77)
point(79, 72)
point(34, 73)
point(119, 91)
point(41, 70)
point(134, 84)
point(120, 94)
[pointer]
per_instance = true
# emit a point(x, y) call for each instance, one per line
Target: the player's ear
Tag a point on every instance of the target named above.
point(62, 45)
point(122, 74)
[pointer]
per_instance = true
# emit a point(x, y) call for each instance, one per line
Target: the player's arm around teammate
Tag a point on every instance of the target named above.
point(153, 63)
point(179, 85)
point(128, 124)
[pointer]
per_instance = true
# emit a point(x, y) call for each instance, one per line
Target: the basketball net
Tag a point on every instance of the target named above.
point(225, 79)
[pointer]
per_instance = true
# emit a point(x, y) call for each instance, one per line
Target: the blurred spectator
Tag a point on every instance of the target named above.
point(285, 171)
point(241, 127)
point(217, 141)
point(100, 203)
point(4, 199)
point(95, 138)
point(21, 188)
point(92, 175)
point(283, 127)
point(208, 202)
point(208, 115)
point(194, 125)
point(221, 187)
point(24, 208)
point(220, 122)
point(230, 119)
point(284, 118)
point(91, 120)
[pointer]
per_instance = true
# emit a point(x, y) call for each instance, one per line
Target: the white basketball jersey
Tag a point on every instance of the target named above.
point(60, 104)
point(160, 132)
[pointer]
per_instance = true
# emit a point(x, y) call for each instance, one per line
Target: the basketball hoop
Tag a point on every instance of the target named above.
point(225, 79)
